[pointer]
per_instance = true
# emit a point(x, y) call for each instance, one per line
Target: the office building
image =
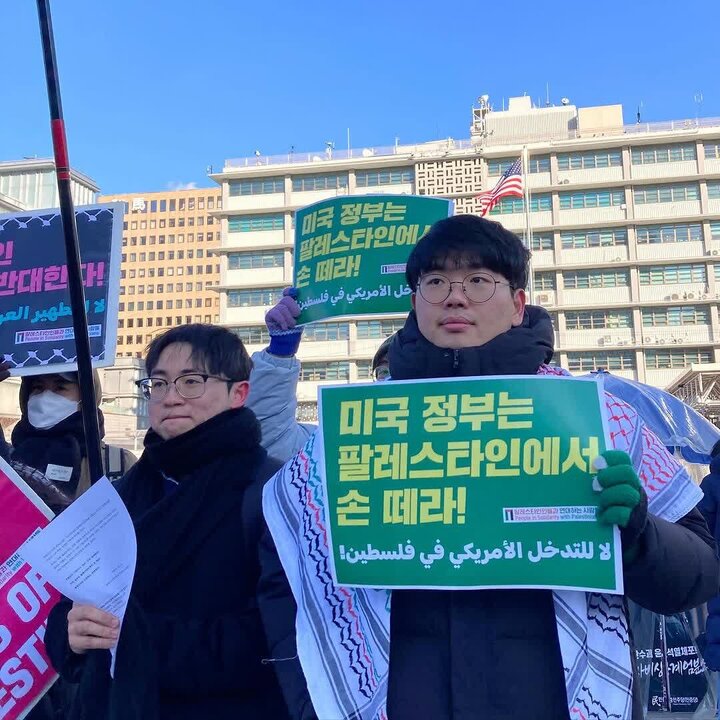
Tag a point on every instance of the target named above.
point(624, 218)
point(169, 275)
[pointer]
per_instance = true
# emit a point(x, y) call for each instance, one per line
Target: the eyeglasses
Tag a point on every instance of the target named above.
point(190, 386)
point(380, 373)
point(478, 287)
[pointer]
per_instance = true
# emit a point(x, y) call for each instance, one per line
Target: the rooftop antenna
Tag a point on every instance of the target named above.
point(698, 104)
point(639, 109)
point(547, 94)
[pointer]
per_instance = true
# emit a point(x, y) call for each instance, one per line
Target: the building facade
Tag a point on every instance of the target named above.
point(30, 184)
point(624, 224)
point(169, 273)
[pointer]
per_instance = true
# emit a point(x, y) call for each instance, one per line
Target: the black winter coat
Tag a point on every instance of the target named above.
point(494, 654)
point(192, 643)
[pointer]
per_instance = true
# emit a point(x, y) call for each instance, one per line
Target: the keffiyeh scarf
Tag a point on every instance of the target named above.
point(343, 634)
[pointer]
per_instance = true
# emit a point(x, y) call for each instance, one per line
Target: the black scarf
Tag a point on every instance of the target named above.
point(213, 464)
point(63, 444)
point(519, 351)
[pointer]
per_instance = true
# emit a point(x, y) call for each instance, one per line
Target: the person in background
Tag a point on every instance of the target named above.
point(48, 448)
point(275, 375)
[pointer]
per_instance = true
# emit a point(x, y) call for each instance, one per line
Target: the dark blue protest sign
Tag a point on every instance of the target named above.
point(36, 329)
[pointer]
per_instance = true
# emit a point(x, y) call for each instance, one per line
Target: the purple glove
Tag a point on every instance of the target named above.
point(281, 321)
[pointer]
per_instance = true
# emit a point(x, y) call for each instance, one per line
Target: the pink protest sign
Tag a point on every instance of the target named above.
point(25, 601)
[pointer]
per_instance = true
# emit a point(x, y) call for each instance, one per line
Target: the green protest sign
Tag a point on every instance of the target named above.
point(467, 483)
point(350, 253)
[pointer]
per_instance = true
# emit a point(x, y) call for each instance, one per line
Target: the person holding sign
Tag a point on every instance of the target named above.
point(192, 643)
point(274, 379)
point(446, 654)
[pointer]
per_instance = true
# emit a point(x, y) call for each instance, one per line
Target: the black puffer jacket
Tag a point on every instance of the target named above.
point(494, 654)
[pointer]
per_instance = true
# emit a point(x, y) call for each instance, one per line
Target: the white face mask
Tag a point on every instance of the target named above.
point(47, 409)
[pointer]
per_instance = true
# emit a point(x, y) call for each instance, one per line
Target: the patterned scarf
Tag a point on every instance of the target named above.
point(343, 634)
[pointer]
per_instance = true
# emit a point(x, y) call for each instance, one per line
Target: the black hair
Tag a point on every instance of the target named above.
point(381, 354)
point(216, 350)
point(468, 241)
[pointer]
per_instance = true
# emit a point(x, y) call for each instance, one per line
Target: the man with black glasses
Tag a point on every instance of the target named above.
point(192, 643)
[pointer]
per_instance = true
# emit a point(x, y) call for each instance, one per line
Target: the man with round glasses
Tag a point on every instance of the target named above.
point(467, 650)
point(192, 643)
point(496, 653)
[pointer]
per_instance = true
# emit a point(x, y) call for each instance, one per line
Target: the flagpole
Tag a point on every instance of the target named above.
point(88, 406)
point(528, 226)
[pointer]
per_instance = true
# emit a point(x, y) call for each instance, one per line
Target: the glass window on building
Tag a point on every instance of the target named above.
point(394, 176)
point(598, 319)
point(676, 358)
point(713, 188)
point(264, 186)
point(673, 274)
point(258, 297)
point(538, 164)
point(674, 316)
point(254, 260)
point(610, 360)
point(378, 329)
point(682, 232)
point(303, 183)
point(540, 241)
point(589, 160)
point(712, 150)
point(678, 192)
point(364, 369)
point(602, 237)
point(544, 281)
point(255, 223)
point(584, 279)
point(663, 153)
point(253, 334)
point(323, 332)
point(591, 199)
point(538, 203)
point(314, 371)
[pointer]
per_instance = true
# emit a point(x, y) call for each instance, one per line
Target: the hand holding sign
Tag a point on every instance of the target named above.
point(622, 500)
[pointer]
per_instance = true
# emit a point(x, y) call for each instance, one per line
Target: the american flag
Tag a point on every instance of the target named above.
point(509, 185)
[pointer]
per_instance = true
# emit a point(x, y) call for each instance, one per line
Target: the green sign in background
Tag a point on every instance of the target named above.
point(388, 528)
point(350, 253)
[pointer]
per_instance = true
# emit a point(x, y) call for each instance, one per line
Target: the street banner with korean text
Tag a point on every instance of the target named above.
point(350, 253)
point(25, 600)
point(36, 329)
point(467, 483)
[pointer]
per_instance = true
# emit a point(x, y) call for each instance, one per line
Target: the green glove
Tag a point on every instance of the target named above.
point(622, 500)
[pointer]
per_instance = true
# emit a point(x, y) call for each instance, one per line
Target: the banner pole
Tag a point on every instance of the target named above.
point(88, 405)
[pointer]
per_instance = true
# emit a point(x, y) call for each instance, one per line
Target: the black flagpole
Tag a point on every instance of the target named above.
point(88, 406)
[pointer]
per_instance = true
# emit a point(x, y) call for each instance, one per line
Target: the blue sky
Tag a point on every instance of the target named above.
point(155, 91)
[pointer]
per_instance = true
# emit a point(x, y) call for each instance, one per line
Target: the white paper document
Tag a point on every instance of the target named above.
point(89, 551)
